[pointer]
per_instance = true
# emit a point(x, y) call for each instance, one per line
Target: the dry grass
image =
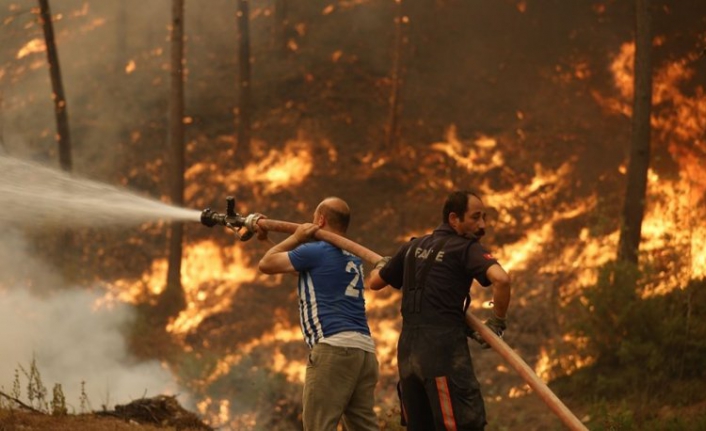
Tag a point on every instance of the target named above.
point(18, 420)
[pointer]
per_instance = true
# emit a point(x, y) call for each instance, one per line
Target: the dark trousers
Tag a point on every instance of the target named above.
point(439, 389)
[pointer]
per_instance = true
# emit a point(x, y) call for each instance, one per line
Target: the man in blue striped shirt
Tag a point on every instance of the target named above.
point(342, 370)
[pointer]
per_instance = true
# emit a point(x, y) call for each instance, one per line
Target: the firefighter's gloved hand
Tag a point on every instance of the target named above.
point(495, 324)
point(474, 335)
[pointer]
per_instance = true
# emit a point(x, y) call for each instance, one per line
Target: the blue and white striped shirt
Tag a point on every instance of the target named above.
point(330, 291)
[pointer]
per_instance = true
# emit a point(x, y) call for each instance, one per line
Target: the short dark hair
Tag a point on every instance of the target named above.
point(339, 220)
point(457, 202)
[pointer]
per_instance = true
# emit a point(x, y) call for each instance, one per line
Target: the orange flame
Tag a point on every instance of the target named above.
point(481, 157)
point(203, 264)
point(279, 169)
point(276, 170)
point(34, 46)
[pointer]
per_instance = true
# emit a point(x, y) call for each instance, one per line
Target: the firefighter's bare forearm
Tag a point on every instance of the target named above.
point(501, 298)
point(501, 289)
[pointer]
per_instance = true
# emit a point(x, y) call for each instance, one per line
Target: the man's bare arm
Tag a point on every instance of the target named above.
point(276, 259)
point(375, 282)
point(501, 285)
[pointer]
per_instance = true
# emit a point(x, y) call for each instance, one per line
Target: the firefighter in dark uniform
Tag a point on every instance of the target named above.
point(438, 386)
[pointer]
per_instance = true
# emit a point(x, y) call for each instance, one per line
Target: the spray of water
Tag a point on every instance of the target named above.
point(32, 194)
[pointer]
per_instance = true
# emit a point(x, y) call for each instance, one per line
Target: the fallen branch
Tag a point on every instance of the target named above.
point(160, 410)
point(20, 403)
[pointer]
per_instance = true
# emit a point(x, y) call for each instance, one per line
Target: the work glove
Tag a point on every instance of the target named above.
point(496, 324)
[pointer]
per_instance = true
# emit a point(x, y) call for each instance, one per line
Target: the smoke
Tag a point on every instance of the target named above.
point(69, 338)
point(35, 194)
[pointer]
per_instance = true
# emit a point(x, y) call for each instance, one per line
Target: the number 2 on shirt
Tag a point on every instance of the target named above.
point(352, 289)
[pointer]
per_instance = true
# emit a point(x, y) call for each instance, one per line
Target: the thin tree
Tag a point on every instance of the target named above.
point(244, 107)
point(635, 193)
point(60, 108)
point(173, 296)
point(281, 26)
point(119, 84)
point(121, 37)
point(3, 150)
point(396, 78)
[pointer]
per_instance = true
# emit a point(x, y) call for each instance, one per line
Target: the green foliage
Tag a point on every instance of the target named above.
point(648, 350)
point(618, 419)
point(650, 340)
point(621, 417)
point(676, 424)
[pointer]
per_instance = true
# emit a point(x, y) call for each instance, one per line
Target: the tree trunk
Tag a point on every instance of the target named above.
point(280, 27)
point(62, 117)
point(173, 297)
point(121, 38)
point(120, 83)
point(3, 149)
point(635, 193)
point(244, 80)
point(396, 80)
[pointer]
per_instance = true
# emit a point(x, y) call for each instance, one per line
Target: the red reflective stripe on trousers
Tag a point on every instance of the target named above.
point(447, 411)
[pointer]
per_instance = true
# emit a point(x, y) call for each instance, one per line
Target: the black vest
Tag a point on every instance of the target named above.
point(436, 282)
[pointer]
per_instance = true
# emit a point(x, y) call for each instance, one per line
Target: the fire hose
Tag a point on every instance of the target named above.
point(239, 223)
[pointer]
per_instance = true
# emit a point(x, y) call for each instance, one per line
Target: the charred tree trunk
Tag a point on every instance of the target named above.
point(3, 149)
point(419, 45)
point(281, 26)
point(121, 83)
point(121, 38)
point(396, 78)
point(173, 297)
point(62, 116)
point(635, 193)
point(244, 106)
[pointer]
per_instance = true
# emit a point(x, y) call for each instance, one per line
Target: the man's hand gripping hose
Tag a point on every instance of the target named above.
point(487, 331)
point(246, 227)
point(496, 324)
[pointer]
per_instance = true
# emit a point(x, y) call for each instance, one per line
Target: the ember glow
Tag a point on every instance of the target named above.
point(271, 172)
point(34, 46)
point(130, 67)
point(481, 155)
point(276, 170)
point(281, 333)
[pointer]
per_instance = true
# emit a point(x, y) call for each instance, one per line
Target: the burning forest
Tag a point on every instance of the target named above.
point(112, 289)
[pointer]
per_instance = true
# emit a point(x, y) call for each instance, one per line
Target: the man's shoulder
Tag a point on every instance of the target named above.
point(312, 246)
point(321, 248)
